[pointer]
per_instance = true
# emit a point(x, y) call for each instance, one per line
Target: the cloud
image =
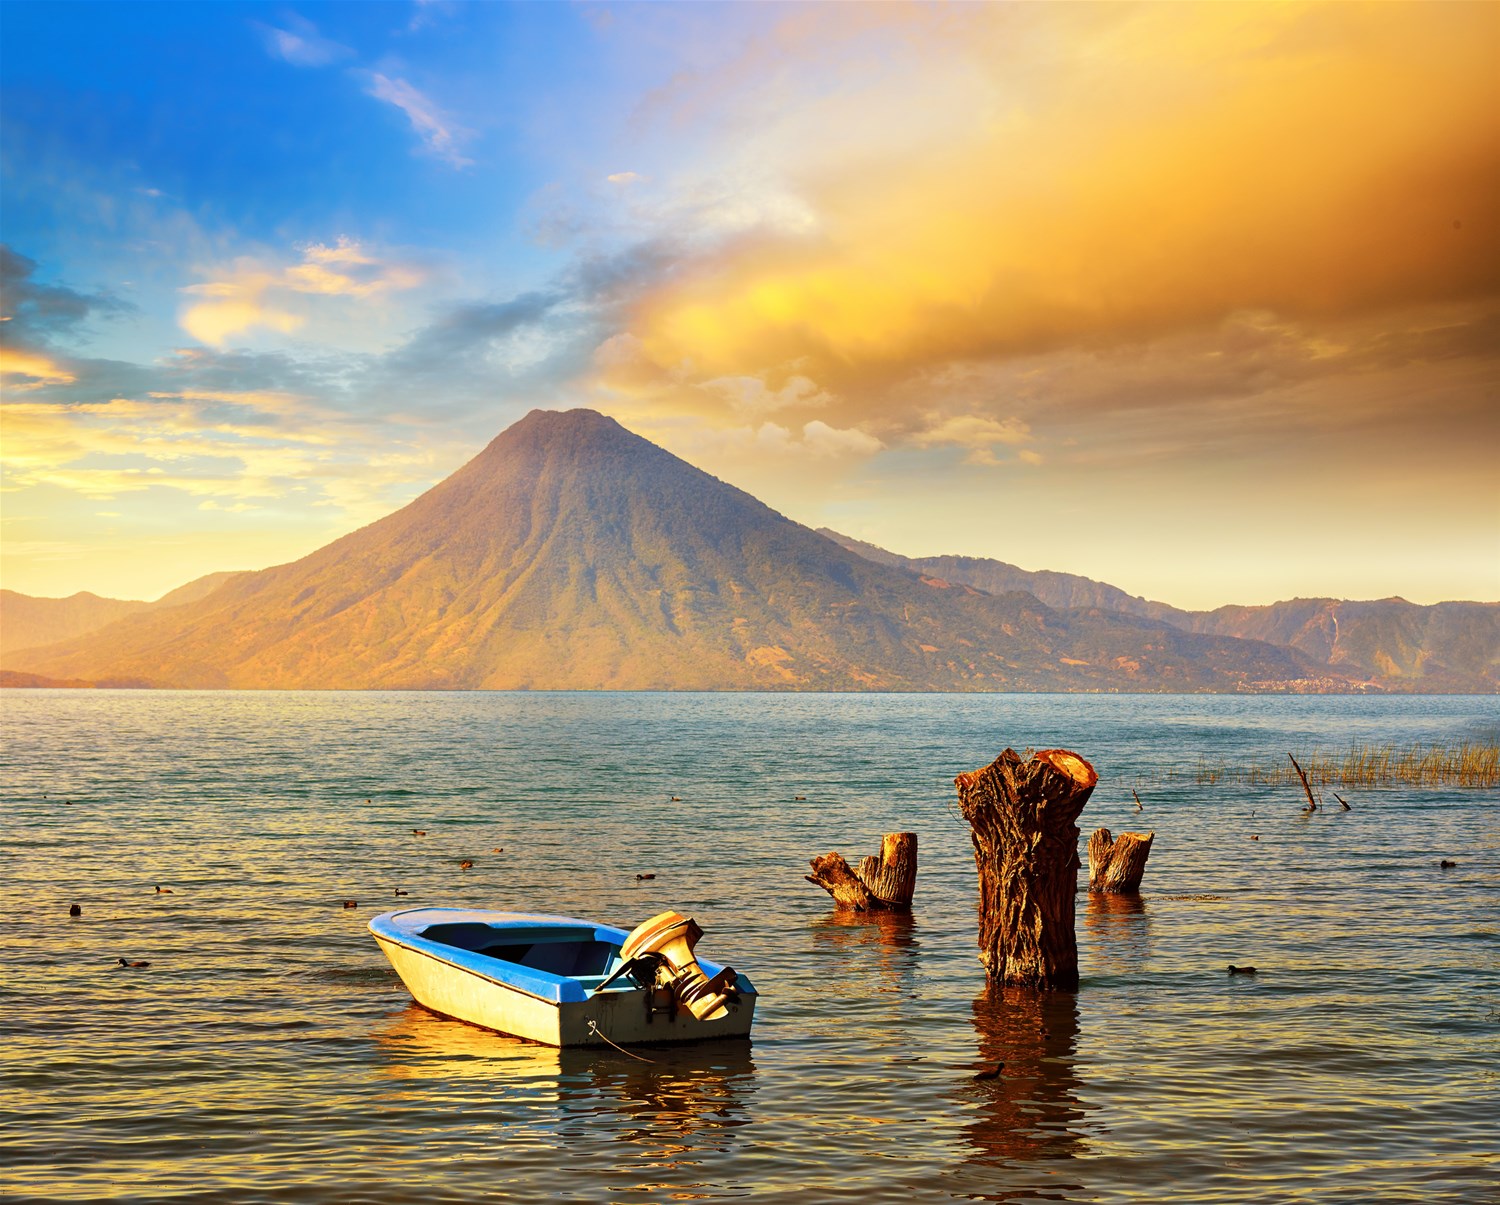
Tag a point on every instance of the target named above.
point(971, 431)
point(30, 309)
point(751, 395)
point(438, 132)
point(241, 449)
point(22, 369)
point(253, 295)
point(822, 440)
point(980, 435)
point(215, 322)
point(301, 44)
point(963, 190)
point(34, 318)
point(623, 178)
point(423, 13)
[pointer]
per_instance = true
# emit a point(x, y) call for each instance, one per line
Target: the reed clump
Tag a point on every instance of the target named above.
point(1466, 764)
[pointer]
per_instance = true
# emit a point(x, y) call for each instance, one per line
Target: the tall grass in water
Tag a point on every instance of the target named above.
point(1467, 764)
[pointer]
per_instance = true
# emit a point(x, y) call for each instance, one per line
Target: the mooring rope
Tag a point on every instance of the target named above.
point(618, 1047)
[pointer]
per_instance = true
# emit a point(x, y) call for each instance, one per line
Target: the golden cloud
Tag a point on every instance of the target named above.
point(23, 369)
point(1055, 176)
point(251, 295)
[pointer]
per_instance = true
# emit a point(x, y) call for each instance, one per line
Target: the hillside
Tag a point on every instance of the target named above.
point(1401, 646)
point(572, 554)
point(27, 622)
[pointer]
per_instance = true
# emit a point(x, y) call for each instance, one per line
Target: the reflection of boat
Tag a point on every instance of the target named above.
point(566, 982)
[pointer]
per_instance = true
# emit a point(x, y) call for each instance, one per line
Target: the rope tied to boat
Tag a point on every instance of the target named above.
point(599, 1034)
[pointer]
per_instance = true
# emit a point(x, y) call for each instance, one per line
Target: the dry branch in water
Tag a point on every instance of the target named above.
point(884, 881)
point(1312, 804)
point(1024, 822)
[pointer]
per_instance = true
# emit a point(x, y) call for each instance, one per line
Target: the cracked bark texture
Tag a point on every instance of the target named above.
point(1024, 820)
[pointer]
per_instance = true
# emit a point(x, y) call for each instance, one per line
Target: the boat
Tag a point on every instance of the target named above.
point(563, 981)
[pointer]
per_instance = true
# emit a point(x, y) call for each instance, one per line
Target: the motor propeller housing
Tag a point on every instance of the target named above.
point(670, 936)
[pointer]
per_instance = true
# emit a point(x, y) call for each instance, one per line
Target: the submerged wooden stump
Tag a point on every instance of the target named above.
point(883, 881)
point(1024, 817)
point(1117, 864)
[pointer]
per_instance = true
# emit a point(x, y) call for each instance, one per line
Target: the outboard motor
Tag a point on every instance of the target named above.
point(670, 937)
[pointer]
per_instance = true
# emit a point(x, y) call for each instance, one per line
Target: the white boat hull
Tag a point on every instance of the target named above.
point(617, 1015)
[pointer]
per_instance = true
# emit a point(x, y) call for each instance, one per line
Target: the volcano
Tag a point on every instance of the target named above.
point(572, 554)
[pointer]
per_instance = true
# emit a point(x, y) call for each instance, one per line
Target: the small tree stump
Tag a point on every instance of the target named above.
point(891, 875)
point(882, 882)
point(1024, 817)
point(1117, 864)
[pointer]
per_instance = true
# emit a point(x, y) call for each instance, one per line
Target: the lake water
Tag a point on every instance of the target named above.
point(269, 1054)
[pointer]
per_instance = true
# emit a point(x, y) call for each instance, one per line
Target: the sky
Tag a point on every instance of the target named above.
point(1199, 300)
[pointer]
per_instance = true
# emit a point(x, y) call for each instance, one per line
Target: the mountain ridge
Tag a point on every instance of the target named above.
point(573, 554)
point(1447, 646)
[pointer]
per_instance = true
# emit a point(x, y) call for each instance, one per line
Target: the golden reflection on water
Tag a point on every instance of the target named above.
point(1119, 928)
point(867, 951)
point(680, 1106)
point(421, 1045)
point(689, 1099)
point(1031, 1111)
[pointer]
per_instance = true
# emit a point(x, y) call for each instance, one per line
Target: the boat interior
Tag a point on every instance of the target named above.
point(575, 952)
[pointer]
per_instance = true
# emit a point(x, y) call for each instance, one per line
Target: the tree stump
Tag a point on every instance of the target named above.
point(884, 881)
point(1117, 864)
point(891, 875)
point(1024, 817)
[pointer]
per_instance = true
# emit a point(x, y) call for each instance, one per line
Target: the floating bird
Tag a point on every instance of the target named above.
point(74, 910)
point(799, 796)
point(499, 849)
point(1255, 836)
point(1447, 865)
point(160, 890)
point(639, 877)
point(676, 798)
point(1234, 970)
point(400, 892)
point(124, 963)
point(351, 903)
point(990, 1072)
point(465, 864)
point(419, 832)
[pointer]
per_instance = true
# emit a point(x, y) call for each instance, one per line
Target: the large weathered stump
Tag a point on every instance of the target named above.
point(883, 881)
point(1024, 817)
point(1117, 863)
